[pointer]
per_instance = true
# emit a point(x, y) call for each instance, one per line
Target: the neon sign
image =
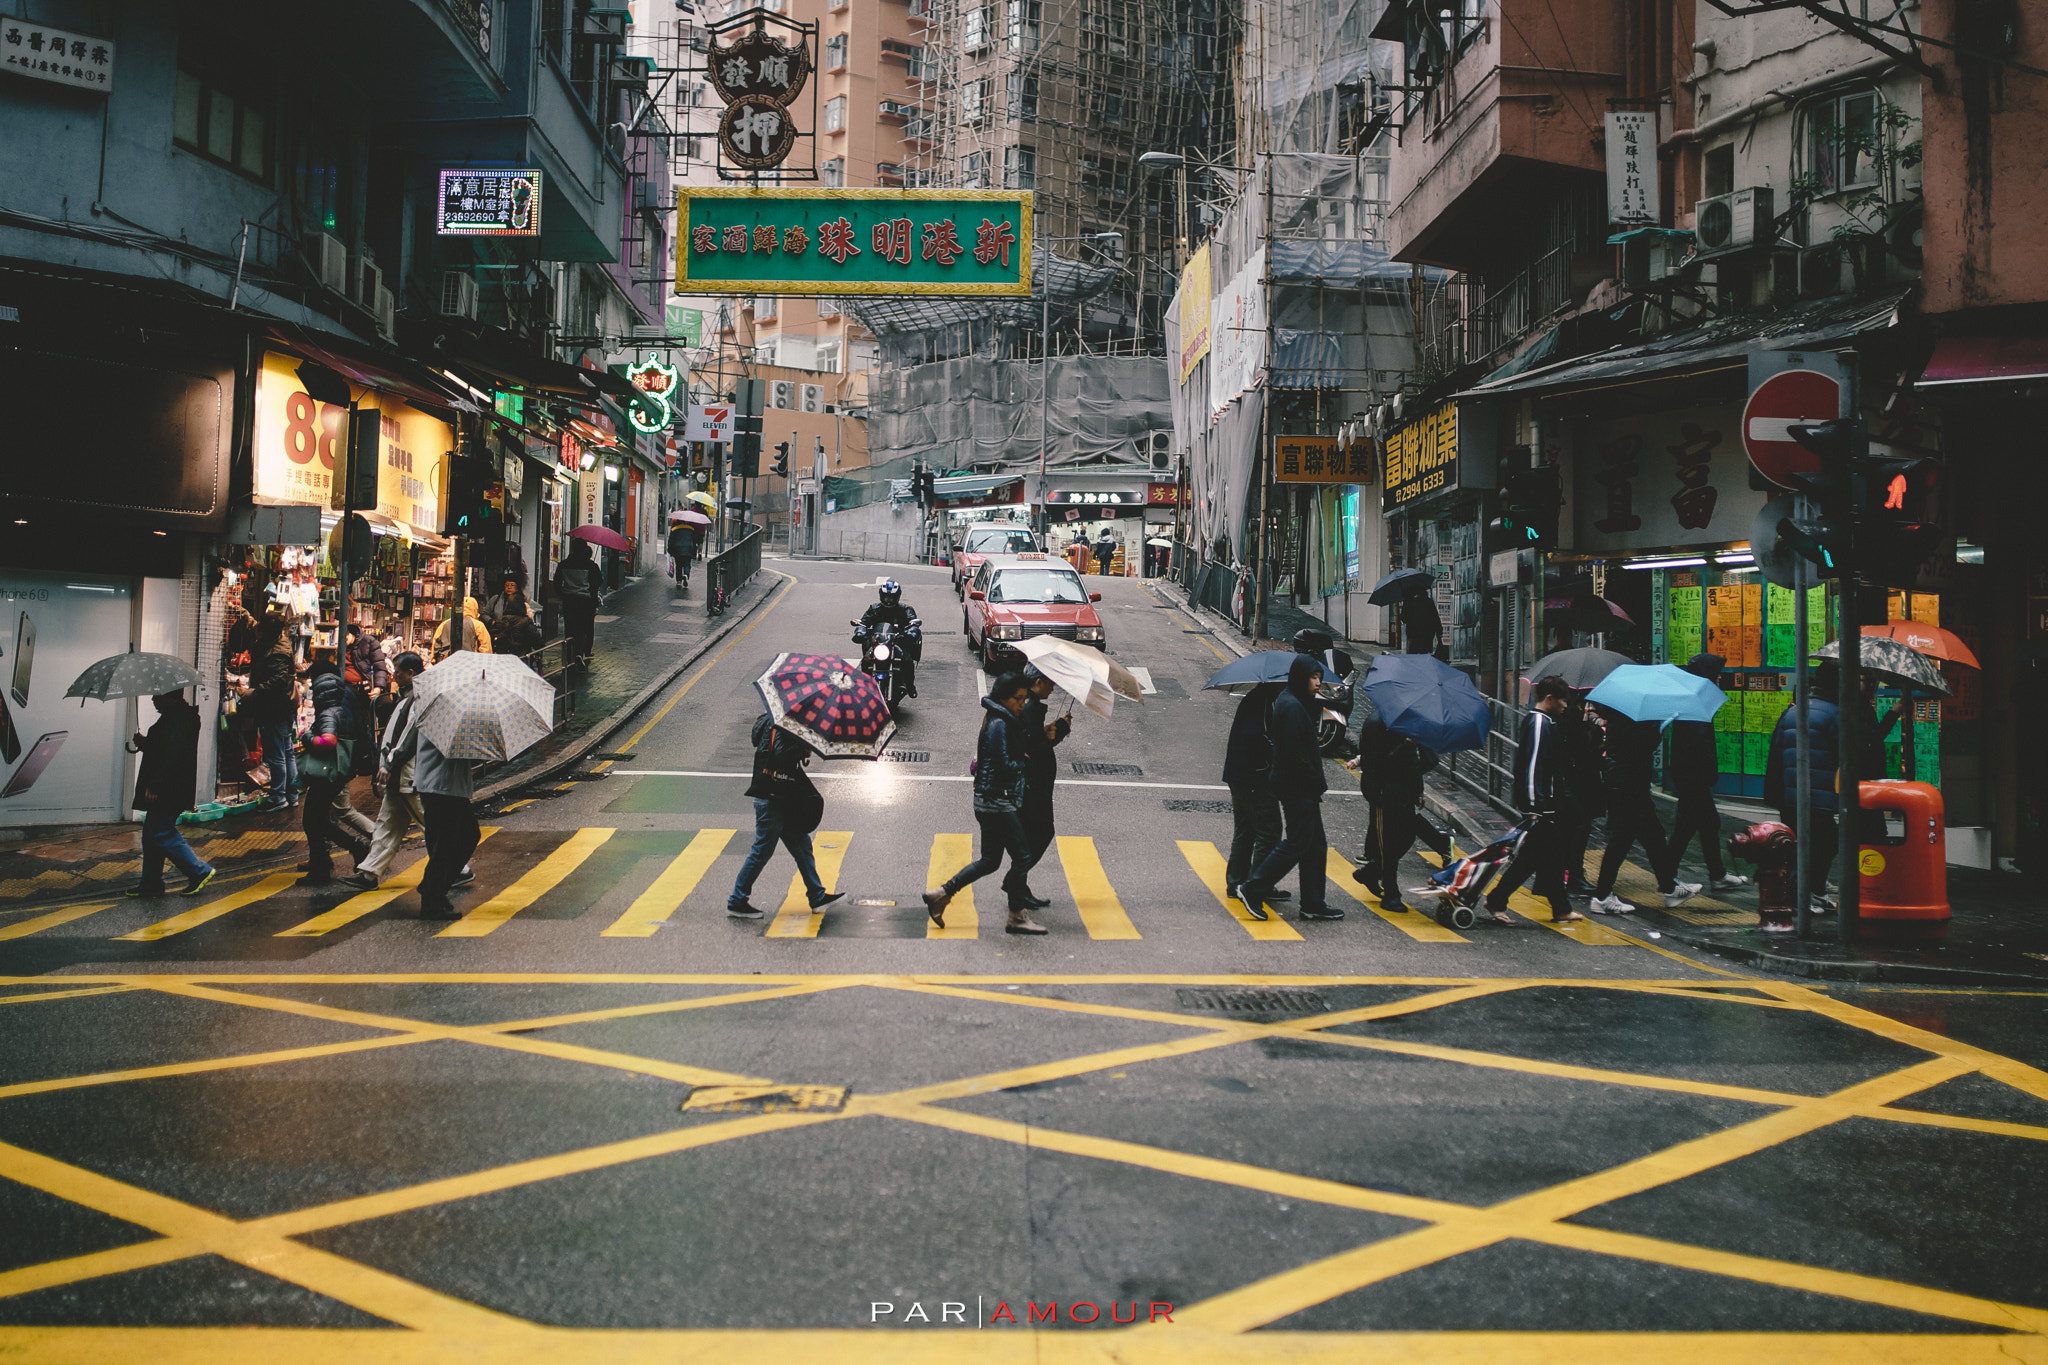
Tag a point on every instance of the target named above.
point(656, 382)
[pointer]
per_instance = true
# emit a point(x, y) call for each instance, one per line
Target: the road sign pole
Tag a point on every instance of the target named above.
point(1848, 801)
point(1802, 574)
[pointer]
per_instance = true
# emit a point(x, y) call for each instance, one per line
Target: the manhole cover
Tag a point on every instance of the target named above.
point(1109, 770)
point(1199, 807)
point(764, 1099)
point(1251, 1002)
point(906, 756)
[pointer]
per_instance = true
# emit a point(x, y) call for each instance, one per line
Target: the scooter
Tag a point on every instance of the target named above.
point(883, 657)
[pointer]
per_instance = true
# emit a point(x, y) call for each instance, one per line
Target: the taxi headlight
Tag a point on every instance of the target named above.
point(1006, 632)
point(1089, 633)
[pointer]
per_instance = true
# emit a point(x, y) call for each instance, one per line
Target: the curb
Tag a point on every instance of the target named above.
point(581, 749)
point(1787, 964)
point(1219, 630)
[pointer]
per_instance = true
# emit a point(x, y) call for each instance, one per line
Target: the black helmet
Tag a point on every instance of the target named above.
point(1311, 641)
point(892, 592)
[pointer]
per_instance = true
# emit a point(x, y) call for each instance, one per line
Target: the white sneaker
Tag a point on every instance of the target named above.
point(1611, 905)
point(1727, 883)
point(1680, 894)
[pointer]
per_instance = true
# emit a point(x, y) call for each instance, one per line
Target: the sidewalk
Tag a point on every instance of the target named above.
point(648, 636)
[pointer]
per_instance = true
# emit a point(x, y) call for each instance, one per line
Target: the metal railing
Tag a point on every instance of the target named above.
point(726, 572)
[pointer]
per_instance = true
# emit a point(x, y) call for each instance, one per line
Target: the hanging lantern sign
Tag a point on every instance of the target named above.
point(656, 382)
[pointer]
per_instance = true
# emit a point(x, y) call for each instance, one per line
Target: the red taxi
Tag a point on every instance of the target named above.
point(1019, 597)
point(986, 538)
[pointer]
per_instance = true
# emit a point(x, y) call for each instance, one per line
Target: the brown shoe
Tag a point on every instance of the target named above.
point(935, 902)
point(1022, 923)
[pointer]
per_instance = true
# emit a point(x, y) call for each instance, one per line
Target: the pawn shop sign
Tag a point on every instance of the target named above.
point(1787, 388)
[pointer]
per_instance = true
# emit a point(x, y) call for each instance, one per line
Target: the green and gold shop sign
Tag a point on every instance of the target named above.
point(1422, 458)
point(806, 241)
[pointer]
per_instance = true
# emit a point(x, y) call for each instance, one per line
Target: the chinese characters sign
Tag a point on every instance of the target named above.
point(1632, 194)
point(1095, 497)
point(756, 132)
point(759, 66)
point(1194, 312)
point(1422, 458)
point(804, 241)
point(302, 448)
point(489, 204)
point(1665, 479)
point(1316, 459)
point(657, 385)
point(50, 54)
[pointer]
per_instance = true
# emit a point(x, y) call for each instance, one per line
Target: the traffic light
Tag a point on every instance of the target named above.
point(469, 509)
point(1894, 505)
point(746, 447)
point(1826, 534)
point(927, 486)
point(1529, 509)
point(781, 459)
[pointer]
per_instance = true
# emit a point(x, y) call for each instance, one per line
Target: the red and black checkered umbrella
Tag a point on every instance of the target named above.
point(829, 704)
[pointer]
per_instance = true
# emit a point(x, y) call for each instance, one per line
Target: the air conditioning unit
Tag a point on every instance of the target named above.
point(1727, 221)
point(364, 279)
point(814, 397)
point(784, 395)
point(385, 306)
point(647, 198)
point(1820, 272)
point(458, 295)
point(329, 259)
point(606, 27)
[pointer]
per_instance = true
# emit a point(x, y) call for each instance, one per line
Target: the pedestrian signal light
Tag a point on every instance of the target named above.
point(1895, 493)
point(1529, 509)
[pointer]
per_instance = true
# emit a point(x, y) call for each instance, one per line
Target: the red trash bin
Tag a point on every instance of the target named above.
point(1902, 861)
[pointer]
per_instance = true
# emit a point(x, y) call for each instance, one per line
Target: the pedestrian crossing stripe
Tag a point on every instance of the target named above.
point(796, 919)
point(542, 878)
point(1210, 866)
point(355, 907)
point(212, 910)
point(1094, 897)
point(654, 905)
point(950, 853)
point(53, 919)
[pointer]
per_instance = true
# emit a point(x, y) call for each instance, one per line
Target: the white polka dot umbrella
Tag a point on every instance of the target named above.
point(483, 706)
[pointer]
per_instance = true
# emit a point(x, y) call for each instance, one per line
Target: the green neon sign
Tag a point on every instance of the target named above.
point(652, 409)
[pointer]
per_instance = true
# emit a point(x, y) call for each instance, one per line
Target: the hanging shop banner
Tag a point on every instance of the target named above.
point(51, 54)
point(1422, 458)
point(590, 498)
point(1095, 497)
point(1194, 312)
point(301, 449)
point(708, 422)
point(1237, 336)
point(1662, 479)
point(1316, 459)
point(1632, 192)
point(853, 241)
point(489, 203)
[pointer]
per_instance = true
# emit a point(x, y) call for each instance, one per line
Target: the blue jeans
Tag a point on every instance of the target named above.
point(769, 831)
point(280, 758)
point(161, 840)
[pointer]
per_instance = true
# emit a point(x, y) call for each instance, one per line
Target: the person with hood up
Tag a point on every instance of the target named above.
point(1001, 765)
point(165, 788)
point(1248, 772)
point(1695, 768)
point(334, 721)
point(1297, 779)
point(1390, 770)
point(466, 631)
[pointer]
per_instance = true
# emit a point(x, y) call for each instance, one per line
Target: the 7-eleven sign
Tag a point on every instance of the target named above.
point(708, 423)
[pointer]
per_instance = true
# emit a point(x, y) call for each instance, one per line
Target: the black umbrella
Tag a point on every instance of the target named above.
point(1399, 585)
point(1580, 668)
point(1591, 614)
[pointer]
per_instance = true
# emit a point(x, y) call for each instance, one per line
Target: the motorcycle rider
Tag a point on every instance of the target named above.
point(909, 630)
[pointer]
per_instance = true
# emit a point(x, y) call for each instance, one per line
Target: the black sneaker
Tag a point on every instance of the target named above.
point(1254, 905)
point(438, 910)
point(1276, 894)
point(744, 910)
point(468, 878)
point(361, 879)
point(830, 900)
point(195, 885)
point(1325, 913)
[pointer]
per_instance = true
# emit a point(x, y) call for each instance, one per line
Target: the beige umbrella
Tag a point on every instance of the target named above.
point(1088, 675)
point(483, 706)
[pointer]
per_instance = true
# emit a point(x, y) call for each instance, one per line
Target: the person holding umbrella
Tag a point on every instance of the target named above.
point(787, 807)
point(1297, 779)
point(1695, 768)
point(165, 788)
point(1632, 818)
point(1390, 770)
point(682, 548)
point(1041, 770)
point(577, 588)
point(1000, 767)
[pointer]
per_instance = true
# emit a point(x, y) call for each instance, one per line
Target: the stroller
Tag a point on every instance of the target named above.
point(1457, 887)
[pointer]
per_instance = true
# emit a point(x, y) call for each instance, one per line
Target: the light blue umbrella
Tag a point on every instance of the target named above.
point(1658, 692)
point(1427, 700)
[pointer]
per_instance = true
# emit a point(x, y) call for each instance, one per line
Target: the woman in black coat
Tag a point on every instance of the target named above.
point(334, 721)
point(166, 785)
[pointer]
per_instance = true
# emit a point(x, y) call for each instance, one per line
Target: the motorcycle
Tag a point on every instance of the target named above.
point(1334, 723)
point(884, 657)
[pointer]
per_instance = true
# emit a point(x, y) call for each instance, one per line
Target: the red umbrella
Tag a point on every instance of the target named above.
point(1932, 641)
point(828, 703)
point(601, 535)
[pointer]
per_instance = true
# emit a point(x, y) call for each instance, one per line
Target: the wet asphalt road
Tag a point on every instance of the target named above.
point(599, 1106)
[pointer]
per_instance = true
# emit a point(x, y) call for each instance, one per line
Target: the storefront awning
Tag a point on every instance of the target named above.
point(1986, 360)
point(502, 356)
point(966, 485)
point(388, 374)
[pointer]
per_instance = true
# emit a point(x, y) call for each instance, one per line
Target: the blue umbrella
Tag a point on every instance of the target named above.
point(1658, 692)
point(1427, 700)
point(1264, 666)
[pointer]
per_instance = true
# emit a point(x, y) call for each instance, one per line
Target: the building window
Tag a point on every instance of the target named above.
point(835, 113)
point(221, 123)
point(1109, 109)
point(316, 176)
point(1109, 177)
point(828, 307)
point(766, 308)
point(1020, 168)
point(828, 357)
point(974, 171)
point(974, 98)
point(975, 26)
point(1717, 170)
point(1024, 25)
point(833, 173)
point(835, 51)
point(1843, 142)
point(1022, 90)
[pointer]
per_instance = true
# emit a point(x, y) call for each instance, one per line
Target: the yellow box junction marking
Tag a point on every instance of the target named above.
point(1210, 866)
point(1094, 897)
point(213, 910)
point(950, 853)
point(53, 919)
point(542, 878)
point(355, 907)
point(1418, 926)
point(796, 919)
point(654, 905)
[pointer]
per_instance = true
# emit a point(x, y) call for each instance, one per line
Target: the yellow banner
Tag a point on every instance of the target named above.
point(1194, 312)
point(302, 447)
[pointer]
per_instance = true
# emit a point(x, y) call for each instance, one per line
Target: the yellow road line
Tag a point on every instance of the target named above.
point(511, 806)
point(1413, 923)
point(1201, 635)
point(654, 905)
point(355, 907)
point(63, 995)
point(542, 878)
point(212, 910)
point(950, 853)
point(230, 1063)
point(1094, 897)
point(54, 918)
point(1210, 866)
point(796, 919)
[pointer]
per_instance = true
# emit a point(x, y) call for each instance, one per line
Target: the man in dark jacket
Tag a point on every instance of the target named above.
point(889, 608)
point(577, 588)
point(787, 807)
point(1000, 768)
point(165, 788)
point(1632, 818)
point(273, 680)
point(682, 548)
point(1105, 550)
point(1248, 772)
point(335, 723)
point(1298, 781)
point(1543, 787)
point(1421, 624)
point(1695, 768)
point(1041, 771)
point(1390, 770)
point(366, 660)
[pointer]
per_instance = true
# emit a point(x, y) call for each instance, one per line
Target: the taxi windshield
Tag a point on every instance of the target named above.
point(1037, 585)
point(1000, 540)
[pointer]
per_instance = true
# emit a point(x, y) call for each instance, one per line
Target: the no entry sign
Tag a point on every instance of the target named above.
point(1783, 396)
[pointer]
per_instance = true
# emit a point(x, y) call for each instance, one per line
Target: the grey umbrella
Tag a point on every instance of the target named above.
point(134, 674)
point(1895, 661)
point(1580, 668)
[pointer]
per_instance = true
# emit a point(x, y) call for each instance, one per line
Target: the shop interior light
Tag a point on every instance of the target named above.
point(611, 473)
point(1966, 553)
point(588, 462)
point(1666, 563)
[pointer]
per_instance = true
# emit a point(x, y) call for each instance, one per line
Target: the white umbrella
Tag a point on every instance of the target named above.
point(134, 674)
point(1088, 675)
point(483, 706)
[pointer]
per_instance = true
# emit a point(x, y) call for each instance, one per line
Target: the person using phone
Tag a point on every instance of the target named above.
point(165, 788)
